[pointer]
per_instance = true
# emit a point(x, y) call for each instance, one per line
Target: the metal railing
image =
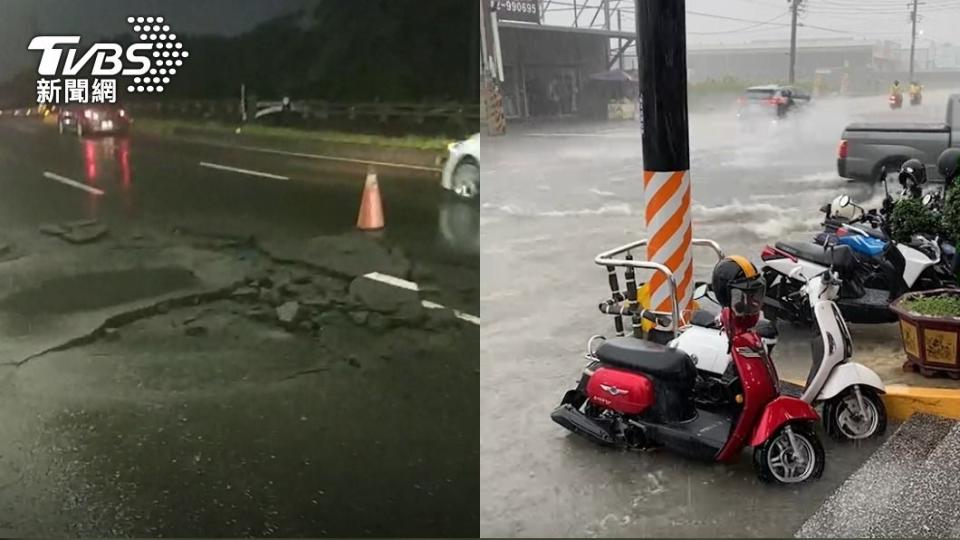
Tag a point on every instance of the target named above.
point(607, 259)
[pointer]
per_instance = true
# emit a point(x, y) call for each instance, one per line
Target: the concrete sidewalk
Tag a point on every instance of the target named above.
point(908, 488)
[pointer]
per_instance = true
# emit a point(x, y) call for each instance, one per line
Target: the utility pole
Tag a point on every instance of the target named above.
point(794, 8)
point(662, 64)
point(913, 39)
point(490, 96)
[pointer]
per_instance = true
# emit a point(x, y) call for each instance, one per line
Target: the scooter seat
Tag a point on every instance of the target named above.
point(766, 329)
point(831, 225)
point(704, 318)
point(647, 357)
point(840, 256)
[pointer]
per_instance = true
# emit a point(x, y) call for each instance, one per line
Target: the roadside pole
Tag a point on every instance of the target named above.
point(243, 103)
point(794, 7)
point(493, 74)
point(913, 38)
point(662, 59)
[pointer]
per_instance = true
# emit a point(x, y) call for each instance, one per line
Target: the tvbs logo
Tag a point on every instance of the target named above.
point(90, 76)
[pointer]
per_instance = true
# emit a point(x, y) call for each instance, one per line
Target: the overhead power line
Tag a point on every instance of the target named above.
point(753, 26)
point(727, 18)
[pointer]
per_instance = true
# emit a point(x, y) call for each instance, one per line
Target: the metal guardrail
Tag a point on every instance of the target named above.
point(317, 109)
point(458, 117)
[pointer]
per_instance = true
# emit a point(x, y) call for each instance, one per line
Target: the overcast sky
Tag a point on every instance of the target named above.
point(92, 19)
point(861, 19)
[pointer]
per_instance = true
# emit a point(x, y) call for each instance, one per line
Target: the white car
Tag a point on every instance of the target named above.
point(461, 173)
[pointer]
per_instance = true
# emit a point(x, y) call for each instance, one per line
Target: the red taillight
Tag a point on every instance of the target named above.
point(842, 149)
point(776, 101)
point(772, 253)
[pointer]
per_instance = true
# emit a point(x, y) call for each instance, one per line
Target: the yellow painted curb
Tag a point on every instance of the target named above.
point(902, 401)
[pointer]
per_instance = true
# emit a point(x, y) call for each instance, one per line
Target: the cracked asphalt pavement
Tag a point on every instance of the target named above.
point(227, 356)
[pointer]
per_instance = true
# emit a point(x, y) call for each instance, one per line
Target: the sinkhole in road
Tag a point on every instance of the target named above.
point(95, 290)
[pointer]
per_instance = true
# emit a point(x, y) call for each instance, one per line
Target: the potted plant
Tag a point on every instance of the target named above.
point(930, 329)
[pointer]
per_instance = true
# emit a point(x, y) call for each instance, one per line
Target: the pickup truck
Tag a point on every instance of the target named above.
point(865, 148)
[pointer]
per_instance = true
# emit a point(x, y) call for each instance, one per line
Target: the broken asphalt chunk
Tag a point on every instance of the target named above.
point(289, 313)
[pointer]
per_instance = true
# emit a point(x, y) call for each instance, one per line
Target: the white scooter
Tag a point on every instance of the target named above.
point(849, 392)
point(900, 268)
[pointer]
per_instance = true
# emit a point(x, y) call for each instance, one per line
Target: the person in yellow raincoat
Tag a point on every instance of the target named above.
point(916, 93)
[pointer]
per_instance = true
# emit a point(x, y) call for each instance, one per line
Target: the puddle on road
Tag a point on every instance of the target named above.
point(95, 290)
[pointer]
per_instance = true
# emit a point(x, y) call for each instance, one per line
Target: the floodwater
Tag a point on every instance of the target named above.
point(555, 196)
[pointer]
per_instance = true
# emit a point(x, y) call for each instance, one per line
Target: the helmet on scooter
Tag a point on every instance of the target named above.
point(913, 171)
point(739, 286)
point(948, 164)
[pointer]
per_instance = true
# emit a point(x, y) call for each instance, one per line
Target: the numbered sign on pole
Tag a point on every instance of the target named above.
point(518, 10)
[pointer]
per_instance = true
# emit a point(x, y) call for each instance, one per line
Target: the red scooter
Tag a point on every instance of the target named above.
point(637, 393)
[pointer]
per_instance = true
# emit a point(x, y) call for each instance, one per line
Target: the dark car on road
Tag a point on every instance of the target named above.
point(94, 120)
point(770, 101)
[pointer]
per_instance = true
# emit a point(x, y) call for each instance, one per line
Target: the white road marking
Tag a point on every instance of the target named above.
point(395, 281)
point(320, 156)
point(242, 171)
point(409, 285)
point(467, 317)
point(72, 183)
point(335, 158)
point(456, 312)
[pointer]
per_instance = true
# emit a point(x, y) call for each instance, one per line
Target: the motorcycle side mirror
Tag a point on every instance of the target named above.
point(844, 201)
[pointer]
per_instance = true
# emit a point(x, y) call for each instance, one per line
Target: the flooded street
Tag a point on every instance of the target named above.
point(556, 196)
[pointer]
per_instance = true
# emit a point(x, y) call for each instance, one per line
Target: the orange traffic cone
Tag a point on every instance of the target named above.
point(371, 208)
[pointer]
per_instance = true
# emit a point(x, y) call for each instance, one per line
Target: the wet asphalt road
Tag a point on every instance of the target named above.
point(150, 181)
point(247, 430)
point(555, 195)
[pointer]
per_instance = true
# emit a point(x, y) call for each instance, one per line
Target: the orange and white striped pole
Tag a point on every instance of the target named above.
point(662, 59)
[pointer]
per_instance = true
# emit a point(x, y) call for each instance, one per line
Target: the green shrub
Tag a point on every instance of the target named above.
point(910, 217)
point(951, 213)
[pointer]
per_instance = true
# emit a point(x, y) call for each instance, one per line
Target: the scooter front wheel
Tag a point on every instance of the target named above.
point(792, 455)
point(844, 419)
